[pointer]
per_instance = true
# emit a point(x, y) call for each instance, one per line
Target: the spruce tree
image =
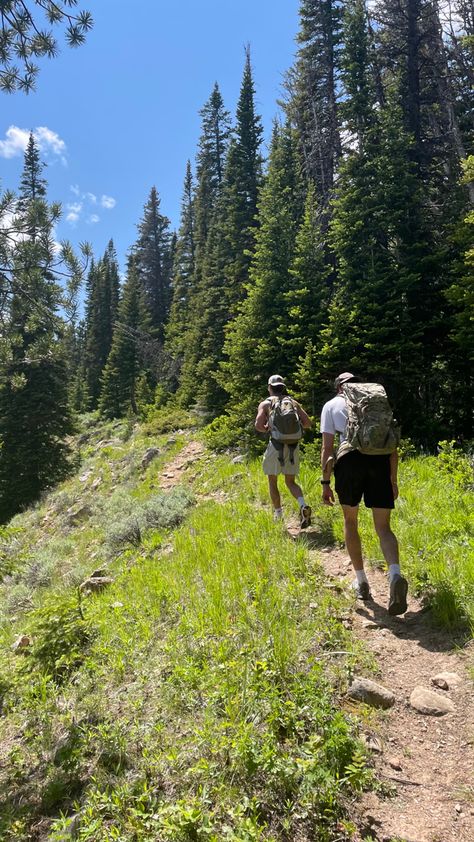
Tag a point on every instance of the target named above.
point(101, 310)
point(209, 245)
point(34, 412)
point(253, 347)
point(125, 362)
point(153, 259)
point(312, 86)
point(183, 272)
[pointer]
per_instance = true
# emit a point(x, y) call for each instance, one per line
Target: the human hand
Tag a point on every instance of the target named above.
point(328, 495)
point(394, 489)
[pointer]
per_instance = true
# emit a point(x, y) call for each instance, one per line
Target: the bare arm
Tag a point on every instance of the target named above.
point(304, 417)
point(261, 421)
point(327, 462)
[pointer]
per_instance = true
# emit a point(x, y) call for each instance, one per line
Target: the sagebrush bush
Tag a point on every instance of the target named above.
point(128, 518)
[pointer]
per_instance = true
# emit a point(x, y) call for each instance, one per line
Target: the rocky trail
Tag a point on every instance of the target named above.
point(423, 744)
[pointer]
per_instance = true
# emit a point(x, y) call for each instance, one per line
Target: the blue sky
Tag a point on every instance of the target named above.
point(121, 113)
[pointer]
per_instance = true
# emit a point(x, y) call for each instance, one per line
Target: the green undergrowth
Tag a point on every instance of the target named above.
point(434, 523)
point(199, 696)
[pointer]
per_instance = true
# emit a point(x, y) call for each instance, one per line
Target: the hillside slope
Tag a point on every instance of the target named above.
point(174, 665)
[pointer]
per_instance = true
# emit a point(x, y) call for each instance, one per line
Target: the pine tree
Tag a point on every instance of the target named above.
point(153, 259)
point(313, 96)
point(253, 346)
point(209, 245)
point(124, 365)
point(183, 272)
point(34, 411)
point(242, 180)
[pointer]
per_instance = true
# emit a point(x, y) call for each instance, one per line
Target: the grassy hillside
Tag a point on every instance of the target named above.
point(199, 694)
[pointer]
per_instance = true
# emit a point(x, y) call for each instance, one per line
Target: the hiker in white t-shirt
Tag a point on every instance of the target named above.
point(282, 457)
point(357, 475)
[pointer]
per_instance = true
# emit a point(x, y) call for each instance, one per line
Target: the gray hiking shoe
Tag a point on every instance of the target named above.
point(397, 603)
point(362, 591)
point(305, 517)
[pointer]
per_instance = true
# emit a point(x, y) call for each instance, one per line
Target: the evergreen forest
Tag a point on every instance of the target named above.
point(347, 244)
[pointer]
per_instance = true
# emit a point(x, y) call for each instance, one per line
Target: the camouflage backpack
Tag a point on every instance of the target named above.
point(371, 427)
point(284, 425)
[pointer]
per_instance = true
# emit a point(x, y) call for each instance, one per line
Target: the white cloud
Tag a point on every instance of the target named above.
point(93, 219)
point(108, 202)
point(16, 141)
point(75, 189)
point(92, 197)
point(74, 211)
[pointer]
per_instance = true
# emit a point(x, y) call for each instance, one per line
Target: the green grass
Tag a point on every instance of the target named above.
point(197, 697)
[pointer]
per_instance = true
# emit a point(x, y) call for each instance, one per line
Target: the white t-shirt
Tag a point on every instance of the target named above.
point(334, 417)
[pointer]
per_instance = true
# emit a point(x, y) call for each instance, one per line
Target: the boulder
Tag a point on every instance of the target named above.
point(76, 516)
point(149, 455)
point(430, 703)
point(95, 584)
point(371, 693)
point(21, 643)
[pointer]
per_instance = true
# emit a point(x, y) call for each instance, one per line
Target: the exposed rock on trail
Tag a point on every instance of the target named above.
point(428, 758)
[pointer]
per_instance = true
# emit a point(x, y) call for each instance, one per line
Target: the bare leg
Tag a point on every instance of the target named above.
point(352, 537)
point(293, 486)
point(274, 493)
point(387, 539)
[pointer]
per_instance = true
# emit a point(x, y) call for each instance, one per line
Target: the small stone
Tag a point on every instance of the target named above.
point(325, 549)
point(96, 483)
point(22, 642)
point(394, 763)
point(458, 808)
point(452, 679)
point(117, 605)
point(372, 743)
point(237, 460)
point(149, 455)
point(370, 624)
point(84, 477)
point(440, 682)
point(430, 703)
point(373, 694)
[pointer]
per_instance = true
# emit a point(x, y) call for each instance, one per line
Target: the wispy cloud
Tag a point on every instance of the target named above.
point(108, 202)
point(86, 201)
point(16, 141)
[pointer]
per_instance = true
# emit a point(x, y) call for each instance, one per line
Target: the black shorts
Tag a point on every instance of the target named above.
point(358, 474)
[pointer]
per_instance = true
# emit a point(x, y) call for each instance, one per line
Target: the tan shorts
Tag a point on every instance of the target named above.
point(272, 465)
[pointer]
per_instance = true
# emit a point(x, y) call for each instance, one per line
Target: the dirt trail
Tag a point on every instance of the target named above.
point(429, 759)
point(173, 471)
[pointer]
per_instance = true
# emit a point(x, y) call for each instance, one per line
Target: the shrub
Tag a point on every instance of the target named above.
point(167, 420)
point(453, 461)
point(129, 518)
point(61, 636)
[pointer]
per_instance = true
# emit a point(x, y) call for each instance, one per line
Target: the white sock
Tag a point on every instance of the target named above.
point(301, 502)
point(361, 577)
point(394, 570)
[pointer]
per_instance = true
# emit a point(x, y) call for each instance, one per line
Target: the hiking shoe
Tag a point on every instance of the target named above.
point(362, 591)
point(277, 515)
point(305, 516)
point(397, 603)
